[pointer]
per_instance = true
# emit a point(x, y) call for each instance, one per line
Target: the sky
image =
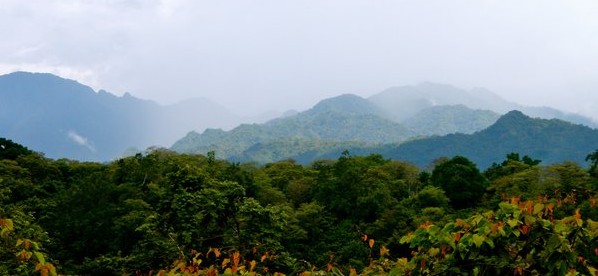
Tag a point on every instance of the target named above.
point(259, 55)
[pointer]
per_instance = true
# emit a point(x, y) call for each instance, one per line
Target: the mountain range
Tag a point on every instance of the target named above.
point(382, 123)
point(65, 119)
point(549, 140)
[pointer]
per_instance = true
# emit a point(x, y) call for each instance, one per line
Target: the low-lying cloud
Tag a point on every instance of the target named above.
point(80, 140)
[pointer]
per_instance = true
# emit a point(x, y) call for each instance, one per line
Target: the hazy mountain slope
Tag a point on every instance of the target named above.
point(346, 104)
point(64, 118)
point(552, 113)
point(548, 140)
point(447, 119)
point(403, 102)
point(178, 119)
point(406, 101)
point(349, 120)
point(345, 118)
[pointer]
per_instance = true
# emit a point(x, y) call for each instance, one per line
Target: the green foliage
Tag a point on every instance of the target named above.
point(21, 252)
point(431, 197)
point(461, 180)
point(198, 214)
point(11, 150)
point(513, 164)
point(354, 188)
point(593, 158)
point(520, 238)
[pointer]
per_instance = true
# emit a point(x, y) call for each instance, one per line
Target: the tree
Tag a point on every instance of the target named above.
point(11, 150)
point(461, 180)
point(593, 157)
point(511, 165)
point(520, 238)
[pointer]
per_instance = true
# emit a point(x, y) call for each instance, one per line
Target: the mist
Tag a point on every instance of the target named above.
point(258, 56)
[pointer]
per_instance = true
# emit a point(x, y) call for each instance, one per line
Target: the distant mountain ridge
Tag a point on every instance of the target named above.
point(447, 119)
point(551, 141)
point(403, 102)
point(378, 123)
point(65, 119)
point(342, 119)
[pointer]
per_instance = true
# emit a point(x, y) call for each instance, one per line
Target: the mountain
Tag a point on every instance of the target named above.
point(447, 119)
point(402, 103)
point(343, 119)
point(65, 119)
point(362, 125)
point(346, 104)
point(551, 141)
point(174, 121)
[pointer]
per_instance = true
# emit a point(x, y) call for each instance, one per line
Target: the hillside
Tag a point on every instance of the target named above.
point(351, 122)
point(447, 119)
point(402, 103)
point(551, 141)
point(346, 118)
point(65, 119)
point(406, 101)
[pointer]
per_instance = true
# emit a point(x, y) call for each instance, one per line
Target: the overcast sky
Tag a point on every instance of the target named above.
point(258, 55)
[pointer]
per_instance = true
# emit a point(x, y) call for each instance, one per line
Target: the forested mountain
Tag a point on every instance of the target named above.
point(332, 122)
point(403, 102)
point(406, 101)
point(64, 118)
point(447, 119)
point(551, 141)
point(351, 122)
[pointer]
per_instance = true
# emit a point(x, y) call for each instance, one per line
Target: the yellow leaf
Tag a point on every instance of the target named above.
point(433, 251)
point(383, 251)
point(27, 243)
point(6, 223)
point(352, 272)
point(371, 243)
point(225, 262)
point(577, 214)
point(40, 257)
point(236, 258)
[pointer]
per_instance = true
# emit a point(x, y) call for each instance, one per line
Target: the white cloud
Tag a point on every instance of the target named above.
point(82, 75)
point(80, 140)
point(257, 55)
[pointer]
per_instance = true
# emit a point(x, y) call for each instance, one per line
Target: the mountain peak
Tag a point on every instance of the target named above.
point(512, 119)
point(514, 115)
point(31, 83)
point(346, 103)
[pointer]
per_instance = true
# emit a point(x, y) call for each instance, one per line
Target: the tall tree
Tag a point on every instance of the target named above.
point(461, 180)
